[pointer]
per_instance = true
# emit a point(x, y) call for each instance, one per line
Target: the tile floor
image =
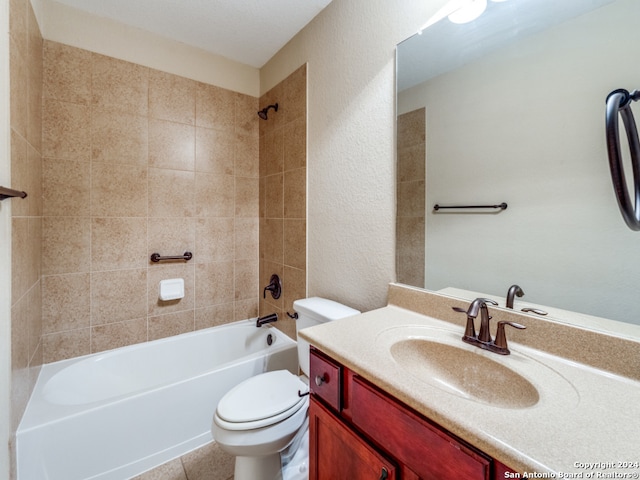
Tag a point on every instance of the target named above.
point(206, 463)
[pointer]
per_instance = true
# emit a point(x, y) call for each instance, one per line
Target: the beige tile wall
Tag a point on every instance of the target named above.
point(26, 171)
point(283, 202)
point(410, 227)
point(137, 161)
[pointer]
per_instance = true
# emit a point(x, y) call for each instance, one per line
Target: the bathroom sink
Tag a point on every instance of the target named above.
point(464, 372)
point(434, 357)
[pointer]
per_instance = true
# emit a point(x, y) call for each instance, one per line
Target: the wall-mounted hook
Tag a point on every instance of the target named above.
point(275, 287)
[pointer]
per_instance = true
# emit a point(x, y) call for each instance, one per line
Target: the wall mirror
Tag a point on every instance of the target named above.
point(510, 108)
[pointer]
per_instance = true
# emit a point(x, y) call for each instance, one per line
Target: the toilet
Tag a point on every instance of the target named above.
point(261, 417)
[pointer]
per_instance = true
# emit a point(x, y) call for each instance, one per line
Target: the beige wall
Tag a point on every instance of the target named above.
point(26, 221)
point(138, 161)
point(73, 27)
point(5, 249)
point(351, 231)
point(283, 179)
point(350, 50)
point(411, 183)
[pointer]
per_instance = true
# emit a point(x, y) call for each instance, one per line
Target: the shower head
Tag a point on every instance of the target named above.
point(263, 113)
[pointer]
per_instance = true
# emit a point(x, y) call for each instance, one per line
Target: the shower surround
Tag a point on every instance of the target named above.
point(137, 161)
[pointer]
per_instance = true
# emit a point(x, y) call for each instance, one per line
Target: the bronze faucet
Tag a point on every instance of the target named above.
point(272, 317)
point(514, 290)
point(483, 339)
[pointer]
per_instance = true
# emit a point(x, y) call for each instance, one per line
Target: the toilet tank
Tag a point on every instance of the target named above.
point(314, 311)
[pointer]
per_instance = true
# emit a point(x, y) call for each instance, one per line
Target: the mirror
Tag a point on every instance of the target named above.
point(510, 108)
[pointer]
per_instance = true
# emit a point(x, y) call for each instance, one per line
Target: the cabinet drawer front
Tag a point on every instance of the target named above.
point(325, 379)
point(427, 450)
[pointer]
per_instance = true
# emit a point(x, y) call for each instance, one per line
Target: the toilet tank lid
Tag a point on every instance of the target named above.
point(323, 307)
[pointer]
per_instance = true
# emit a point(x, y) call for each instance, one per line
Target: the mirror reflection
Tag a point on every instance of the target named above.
point(510, 108)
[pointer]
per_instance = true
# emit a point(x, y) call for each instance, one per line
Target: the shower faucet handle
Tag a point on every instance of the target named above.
point(275, 287)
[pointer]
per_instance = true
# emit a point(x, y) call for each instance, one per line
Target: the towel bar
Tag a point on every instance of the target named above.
point(502, 206)
point(156, 257)
point(11, 193)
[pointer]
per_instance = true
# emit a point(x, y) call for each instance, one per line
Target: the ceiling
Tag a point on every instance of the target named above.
point(445, 46)
point(247, 31)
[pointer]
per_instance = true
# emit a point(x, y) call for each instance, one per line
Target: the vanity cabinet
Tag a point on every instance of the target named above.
point(358, 431)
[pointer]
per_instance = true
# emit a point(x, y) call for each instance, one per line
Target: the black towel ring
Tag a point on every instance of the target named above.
point(619, 101)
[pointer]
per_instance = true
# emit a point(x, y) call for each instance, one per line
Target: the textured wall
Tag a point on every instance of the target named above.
point(350, 50)
point(138, 161)
point(410, 223)
point(26, 222)
point(70, 26)
point(283, 179)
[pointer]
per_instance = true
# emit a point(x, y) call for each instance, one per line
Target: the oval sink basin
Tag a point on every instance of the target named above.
point(465, 373)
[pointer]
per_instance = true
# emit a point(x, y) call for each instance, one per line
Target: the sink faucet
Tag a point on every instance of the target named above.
point(483, 339)
point(514, 290)
point(479, 305)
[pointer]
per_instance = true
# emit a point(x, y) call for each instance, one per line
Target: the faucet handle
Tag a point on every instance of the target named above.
point(537, 311)
point(500, 342)
point(275, 287)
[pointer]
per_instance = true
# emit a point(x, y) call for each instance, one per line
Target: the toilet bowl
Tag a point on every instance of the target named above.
point(260, 417)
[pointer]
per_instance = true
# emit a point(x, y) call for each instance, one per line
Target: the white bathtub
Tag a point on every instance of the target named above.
point(116, 414)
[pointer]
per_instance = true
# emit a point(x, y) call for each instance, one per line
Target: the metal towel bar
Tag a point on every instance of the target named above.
point(502, 206)
point(156, 257)
point(11, 193)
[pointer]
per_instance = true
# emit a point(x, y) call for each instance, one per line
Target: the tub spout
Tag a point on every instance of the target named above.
point(272, 317)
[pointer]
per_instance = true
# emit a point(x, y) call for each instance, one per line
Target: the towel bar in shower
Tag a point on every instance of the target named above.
point(11, 193)
point(156, 257)
point(619, 102)
point(502, 206)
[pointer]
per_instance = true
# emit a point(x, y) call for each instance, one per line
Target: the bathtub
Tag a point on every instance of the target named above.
point(115, 414)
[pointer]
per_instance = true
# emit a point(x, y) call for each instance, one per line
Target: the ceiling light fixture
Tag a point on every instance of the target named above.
point(468, 12)
point(459, 11)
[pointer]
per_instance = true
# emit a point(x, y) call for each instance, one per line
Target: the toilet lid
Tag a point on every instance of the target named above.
point(263, 396)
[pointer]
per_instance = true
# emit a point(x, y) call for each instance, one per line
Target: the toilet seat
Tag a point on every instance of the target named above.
point(261, 401)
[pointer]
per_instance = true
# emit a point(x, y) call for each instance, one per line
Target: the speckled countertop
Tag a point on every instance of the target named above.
point(585, 421)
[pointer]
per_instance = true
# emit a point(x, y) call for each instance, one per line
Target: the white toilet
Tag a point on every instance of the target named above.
point(260, 417)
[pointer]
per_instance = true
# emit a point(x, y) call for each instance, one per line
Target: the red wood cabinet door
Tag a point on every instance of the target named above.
point(427, 450)
point(337, 453)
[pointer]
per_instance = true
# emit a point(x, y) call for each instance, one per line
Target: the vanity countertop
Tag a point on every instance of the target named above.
point(587, 420)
